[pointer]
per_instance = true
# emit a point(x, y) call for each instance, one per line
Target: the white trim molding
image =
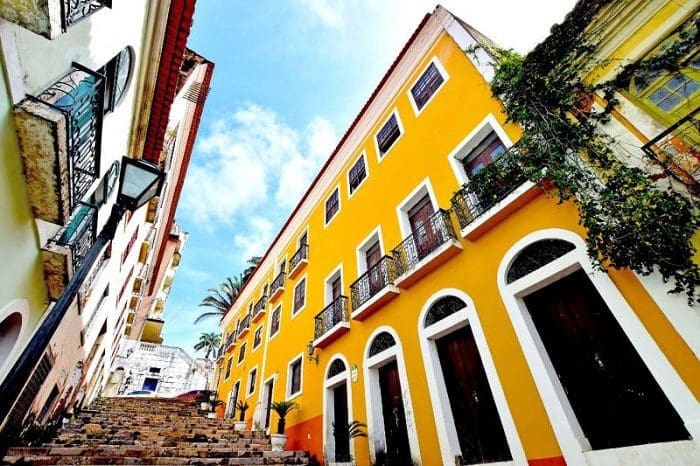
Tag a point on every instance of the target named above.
point(567, 430)
point(288, 395)
point(329, 384)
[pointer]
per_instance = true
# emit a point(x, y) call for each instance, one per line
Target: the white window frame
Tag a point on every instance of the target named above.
point(328, 414)
point(294, 293)
point(327, 290)
point(240, 361)
point(279, 329)
point(248, 394)
point(260, 329)
point(381, 156)
point(362, 156)
point(423, 188)
point(287, 392)
point(361, 250)
point(327, 221)
point(445, 78)
point(567, 429)
point(444, 421)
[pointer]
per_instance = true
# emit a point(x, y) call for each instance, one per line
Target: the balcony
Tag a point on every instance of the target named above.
point(259, 308)
point(373, 289)
point(50, 18)
point(677, 150)
point(277, 286)
point(244, 326)
point(299, 261)
point(491, 195)
point(60, 134)
point(429, 246)
point(64, 252)
point(331, 323)
point(230, 342)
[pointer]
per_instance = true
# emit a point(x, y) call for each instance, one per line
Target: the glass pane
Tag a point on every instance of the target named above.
point(136, 180)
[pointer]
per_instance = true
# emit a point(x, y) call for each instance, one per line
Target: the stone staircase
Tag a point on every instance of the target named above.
point(152, 431)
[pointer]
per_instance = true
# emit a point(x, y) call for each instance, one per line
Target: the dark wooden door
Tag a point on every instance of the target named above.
point(335, 289)
point(397, 448)
point(373, 256)
point(340, 432)
point(268, 401)
point(614, 396)
point(423, 232)
point(478, 425)
point(234, 398)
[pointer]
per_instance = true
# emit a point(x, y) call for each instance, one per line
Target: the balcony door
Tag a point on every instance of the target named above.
point(484, 154)
point(423, 232)
point(372, 256)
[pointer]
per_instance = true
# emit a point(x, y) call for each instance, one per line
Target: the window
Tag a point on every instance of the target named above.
point(251, 381)
point(129, 245)
point(106, 186)
point(117, 74)
point(426, 86)
point(228, 367)
point(304, 239)
point(257, 337)
point(332, 205)
point(357, 174)
point(275, 321)
point(484, 154)
point(154, 370)
point(387, 136)
point(294, 378)
point(241, 354)
point(299, 296)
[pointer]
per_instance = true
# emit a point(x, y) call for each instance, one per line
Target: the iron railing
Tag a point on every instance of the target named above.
point(299, 255)
point(79, 97)
point(230, 339)
point(426, 238)
point(79, 234)
point(488, 187)
point(277, 283)
point(73, 11)
point(260, 305)
point(377, 277)
point(677, 150)
point(330, 316)
point(244, 325)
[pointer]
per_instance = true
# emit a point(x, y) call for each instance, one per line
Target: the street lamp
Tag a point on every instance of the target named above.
point(139, 182)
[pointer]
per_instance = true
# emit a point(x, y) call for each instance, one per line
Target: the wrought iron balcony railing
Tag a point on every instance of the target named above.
point(244, 325)
point(333, 314)
point(677, 150)
point(277, 283)
point(79, 97)
point(300, 255)
point(230, 339)
point(79, 235)
point(378, 277)
point(426, 238)
point(72, 11)
point(260, 305)
point(487, 187)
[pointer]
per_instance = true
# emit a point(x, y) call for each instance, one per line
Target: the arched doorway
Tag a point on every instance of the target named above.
point(337, 411)
point(10, 329)
point(604, 381)
point(471, 413)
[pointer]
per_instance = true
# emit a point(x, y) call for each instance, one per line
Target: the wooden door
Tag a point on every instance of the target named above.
point(397, 447)
point(373, 256)
point(424, 233)
point(614, 396)
point(340, 414)
point(268, 401)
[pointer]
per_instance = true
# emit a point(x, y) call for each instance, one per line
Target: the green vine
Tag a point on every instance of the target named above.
point(631, 221)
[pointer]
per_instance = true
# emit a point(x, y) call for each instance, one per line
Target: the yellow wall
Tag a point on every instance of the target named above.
point(422, 150)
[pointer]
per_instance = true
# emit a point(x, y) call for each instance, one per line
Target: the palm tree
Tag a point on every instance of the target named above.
point(208, 341)
point(221, 299)
point(253, 264)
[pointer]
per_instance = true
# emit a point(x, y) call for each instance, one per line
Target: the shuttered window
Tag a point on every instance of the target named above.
point(389, 133)
point(427, 84)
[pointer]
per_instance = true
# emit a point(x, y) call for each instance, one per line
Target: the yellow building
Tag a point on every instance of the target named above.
point(461, 325)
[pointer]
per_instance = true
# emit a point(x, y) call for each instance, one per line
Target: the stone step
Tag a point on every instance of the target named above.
point(103, 460)
point(145, 452)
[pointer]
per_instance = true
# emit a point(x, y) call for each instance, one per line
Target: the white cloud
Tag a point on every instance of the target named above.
point(327, 12)
point(256, 239)
point(252, 160)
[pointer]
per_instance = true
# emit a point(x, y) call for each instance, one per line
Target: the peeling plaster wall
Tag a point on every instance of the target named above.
point(31, 14)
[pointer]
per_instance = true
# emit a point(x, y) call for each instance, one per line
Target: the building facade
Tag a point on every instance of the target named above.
point(462, 326)
point(74, 102)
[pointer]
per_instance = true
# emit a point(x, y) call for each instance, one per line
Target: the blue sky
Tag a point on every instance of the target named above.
point(290, 76)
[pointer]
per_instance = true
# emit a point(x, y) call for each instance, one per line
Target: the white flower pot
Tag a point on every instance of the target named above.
point(211, 415)
point(204, 406)
point(278, 441)
point(239, 426)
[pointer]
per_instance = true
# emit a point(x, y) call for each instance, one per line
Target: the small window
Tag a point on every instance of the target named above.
point(299, 296)
point(241, 354)
point(117, 73)
point(484, 154)
point(388, 135)
point(228, 367)
point(332, 205)
point(106, 186)
point(429, 82)
point(357, 174)
point(257, 337)
point(275, 321)
point(154, 370)
point(294, 378)
point(251, 381)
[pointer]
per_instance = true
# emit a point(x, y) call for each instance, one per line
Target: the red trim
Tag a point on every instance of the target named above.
point(554, 461)
point(364, 109)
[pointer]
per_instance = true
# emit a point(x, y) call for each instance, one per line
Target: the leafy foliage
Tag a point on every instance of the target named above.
point(209, 342)
point(220, 299)
point(283, 408)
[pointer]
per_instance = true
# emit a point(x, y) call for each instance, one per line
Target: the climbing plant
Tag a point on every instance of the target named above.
point(632, 222)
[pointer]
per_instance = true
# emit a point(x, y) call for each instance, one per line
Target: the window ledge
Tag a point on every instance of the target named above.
point(428, 263)
point(259, 315)
point(337, 331)
point(373, 304)
point(297, 268)
point(276, 293)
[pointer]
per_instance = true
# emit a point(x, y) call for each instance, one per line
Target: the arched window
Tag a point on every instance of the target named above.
point(380, 343)
point(10, 328)
point(537, 255)
point(117, 74)
point(442, 308)
point(336, 367)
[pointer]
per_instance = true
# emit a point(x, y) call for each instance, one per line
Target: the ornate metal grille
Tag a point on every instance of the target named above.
point(245, 324)
point(372, 282)
point(260, 305)
point(537, 255)
point(78, 96)
point(426, 238)
point(299, 255)
point(278, 282)
point(381, 342)
point(333, 314)
point(79, 234)
point(72, 11)
point(488, 187)
point(442, 308)
point(336, 367)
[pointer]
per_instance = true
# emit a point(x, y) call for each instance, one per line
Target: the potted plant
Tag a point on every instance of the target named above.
point(345, 433)
point(282, 408)
point(204, 398)
point(214, 404)
point(242, 406)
